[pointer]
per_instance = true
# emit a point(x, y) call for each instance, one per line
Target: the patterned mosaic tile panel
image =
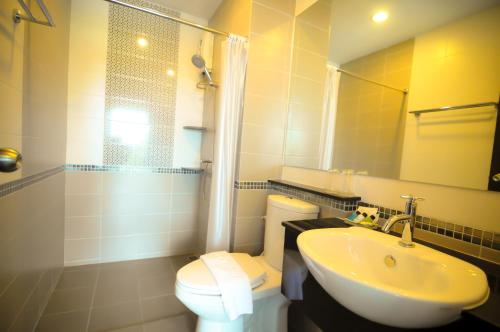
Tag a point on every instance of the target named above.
point(140, 96)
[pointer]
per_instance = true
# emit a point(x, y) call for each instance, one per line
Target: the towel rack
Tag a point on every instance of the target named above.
point(30, 17)
point(451, 108)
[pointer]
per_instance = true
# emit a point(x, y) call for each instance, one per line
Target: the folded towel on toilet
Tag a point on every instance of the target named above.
point(233, 282)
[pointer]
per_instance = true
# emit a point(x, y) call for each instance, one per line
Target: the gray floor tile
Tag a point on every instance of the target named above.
point(69, 300)
point(156, 286)
point(68, 322)
point(133, 328)
point(180, 261)
point(82, 267)
point(161, 307)
point(154, 267)
point(78, 279)
point(116, 289)
point(115, 317)
point(180, 323)
point(113, 270)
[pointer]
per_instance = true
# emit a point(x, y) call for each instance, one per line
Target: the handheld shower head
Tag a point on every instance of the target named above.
point(199, 62)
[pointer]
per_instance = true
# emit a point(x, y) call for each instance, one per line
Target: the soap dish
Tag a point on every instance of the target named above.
point(347, 221)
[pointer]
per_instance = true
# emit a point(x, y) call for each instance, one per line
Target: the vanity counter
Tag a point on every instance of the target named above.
point(305, 316)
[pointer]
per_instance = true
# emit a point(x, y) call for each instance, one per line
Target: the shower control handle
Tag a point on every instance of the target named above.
point(10, 160)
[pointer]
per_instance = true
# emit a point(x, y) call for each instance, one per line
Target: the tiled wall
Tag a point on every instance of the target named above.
point(31, 251)
point(264, 115)
point(307, 84)
point(33, 85)
point(464, 208)
point(127, 110)
point(89, 71)
point(370, 119)
point(114, 216)
point(455, 64)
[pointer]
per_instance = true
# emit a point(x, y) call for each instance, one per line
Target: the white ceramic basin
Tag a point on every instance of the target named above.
point(424, 288)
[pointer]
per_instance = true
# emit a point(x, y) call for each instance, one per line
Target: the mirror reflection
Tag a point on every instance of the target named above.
point(360, 71)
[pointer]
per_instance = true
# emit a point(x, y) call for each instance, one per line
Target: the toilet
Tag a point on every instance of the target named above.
point(197, 289)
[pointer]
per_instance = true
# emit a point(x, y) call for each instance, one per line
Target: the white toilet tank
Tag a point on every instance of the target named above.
point(282, 208)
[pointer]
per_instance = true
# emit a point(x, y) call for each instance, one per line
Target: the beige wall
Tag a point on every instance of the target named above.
point(307, 84)
point(454, 65)
point(268, 24)
point(264, 115)
point(370, 118)
point(33, 85)
point(301, 5)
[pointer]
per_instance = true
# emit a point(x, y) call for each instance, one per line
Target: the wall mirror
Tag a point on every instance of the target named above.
point(363, 69)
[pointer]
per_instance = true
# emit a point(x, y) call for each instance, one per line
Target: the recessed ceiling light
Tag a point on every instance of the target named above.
point(380, 17)
point(142, 42)
point(171, 72)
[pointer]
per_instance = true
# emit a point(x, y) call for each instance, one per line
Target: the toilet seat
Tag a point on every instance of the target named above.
point(196, 278)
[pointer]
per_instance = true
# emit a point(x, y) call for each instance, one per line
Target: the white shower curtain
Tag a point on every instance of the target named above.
point(327, 134)
point(227, 126)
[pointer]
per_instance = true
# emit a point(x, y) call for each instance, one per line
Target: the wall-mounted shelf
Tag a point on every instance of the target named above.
point(195, 128)
point(451, 108)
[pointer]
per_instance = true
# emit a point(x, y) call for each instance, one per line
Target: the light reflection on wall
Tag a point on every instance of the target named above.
point(130, 127)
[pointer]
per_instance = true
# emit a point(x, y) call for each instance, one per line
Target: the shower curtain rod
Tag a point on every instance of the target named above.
point(405, 91)
point(168, 17)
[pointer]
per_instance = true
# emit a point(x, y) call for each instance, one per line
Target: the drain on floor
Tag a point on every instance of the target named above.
point(193, 258)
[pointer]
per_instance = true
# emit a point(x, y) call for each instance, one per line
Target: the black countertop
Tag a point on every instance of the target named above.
point(488, 312)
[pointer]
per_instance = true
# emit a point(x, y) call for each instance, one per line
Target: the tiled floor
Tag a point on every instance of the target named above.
point(133, 296)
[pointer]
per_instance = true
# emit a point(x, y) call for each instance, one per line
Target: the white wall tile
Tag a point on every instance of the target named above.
point(83, 183)
point(184, 203)
point(153, 244)
point(120, 225)
point(82, 205)
point(82, 227)
point(184, 221)
point(81, 250)
point(183, 242)
point(118, 248)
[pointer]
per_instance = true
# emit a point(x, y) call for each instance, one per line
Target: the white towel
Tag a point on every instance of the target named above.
point(233, 283)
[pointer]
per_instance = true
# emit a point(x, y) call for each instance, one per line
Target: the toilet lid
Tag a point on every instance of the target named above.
point(198, 279)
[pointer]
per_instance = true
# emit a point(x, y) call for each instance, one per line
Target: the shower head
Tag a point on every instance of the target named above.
point(199, 62)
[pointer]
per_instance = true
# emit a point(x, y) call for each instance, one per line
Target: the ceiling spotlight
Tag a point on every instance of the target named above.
point(142, 42)
point(380, 17)
point(171, 72)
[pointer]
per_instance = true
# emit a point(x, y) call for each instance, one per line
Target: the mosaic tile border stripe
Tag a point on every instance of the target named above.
point(245, 185)
point(475, 236)
point(458, 232)
point(130, 169)
point(13, 186)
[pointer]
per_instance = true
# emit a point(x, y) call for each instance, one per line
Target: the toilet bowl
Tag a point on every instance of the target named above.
point(197, 289)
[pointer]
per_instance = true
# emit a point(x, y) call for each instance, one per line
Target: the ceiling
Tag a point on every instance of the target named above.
point(355, 34)
point(200, 8)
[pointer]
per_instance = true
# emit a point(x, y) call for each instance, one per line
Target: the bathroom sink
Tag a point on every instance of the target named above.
point(369, 273)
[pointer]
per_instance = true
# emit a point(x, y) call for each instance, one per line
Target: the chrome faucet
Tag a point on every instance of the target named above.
point(408, 218)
